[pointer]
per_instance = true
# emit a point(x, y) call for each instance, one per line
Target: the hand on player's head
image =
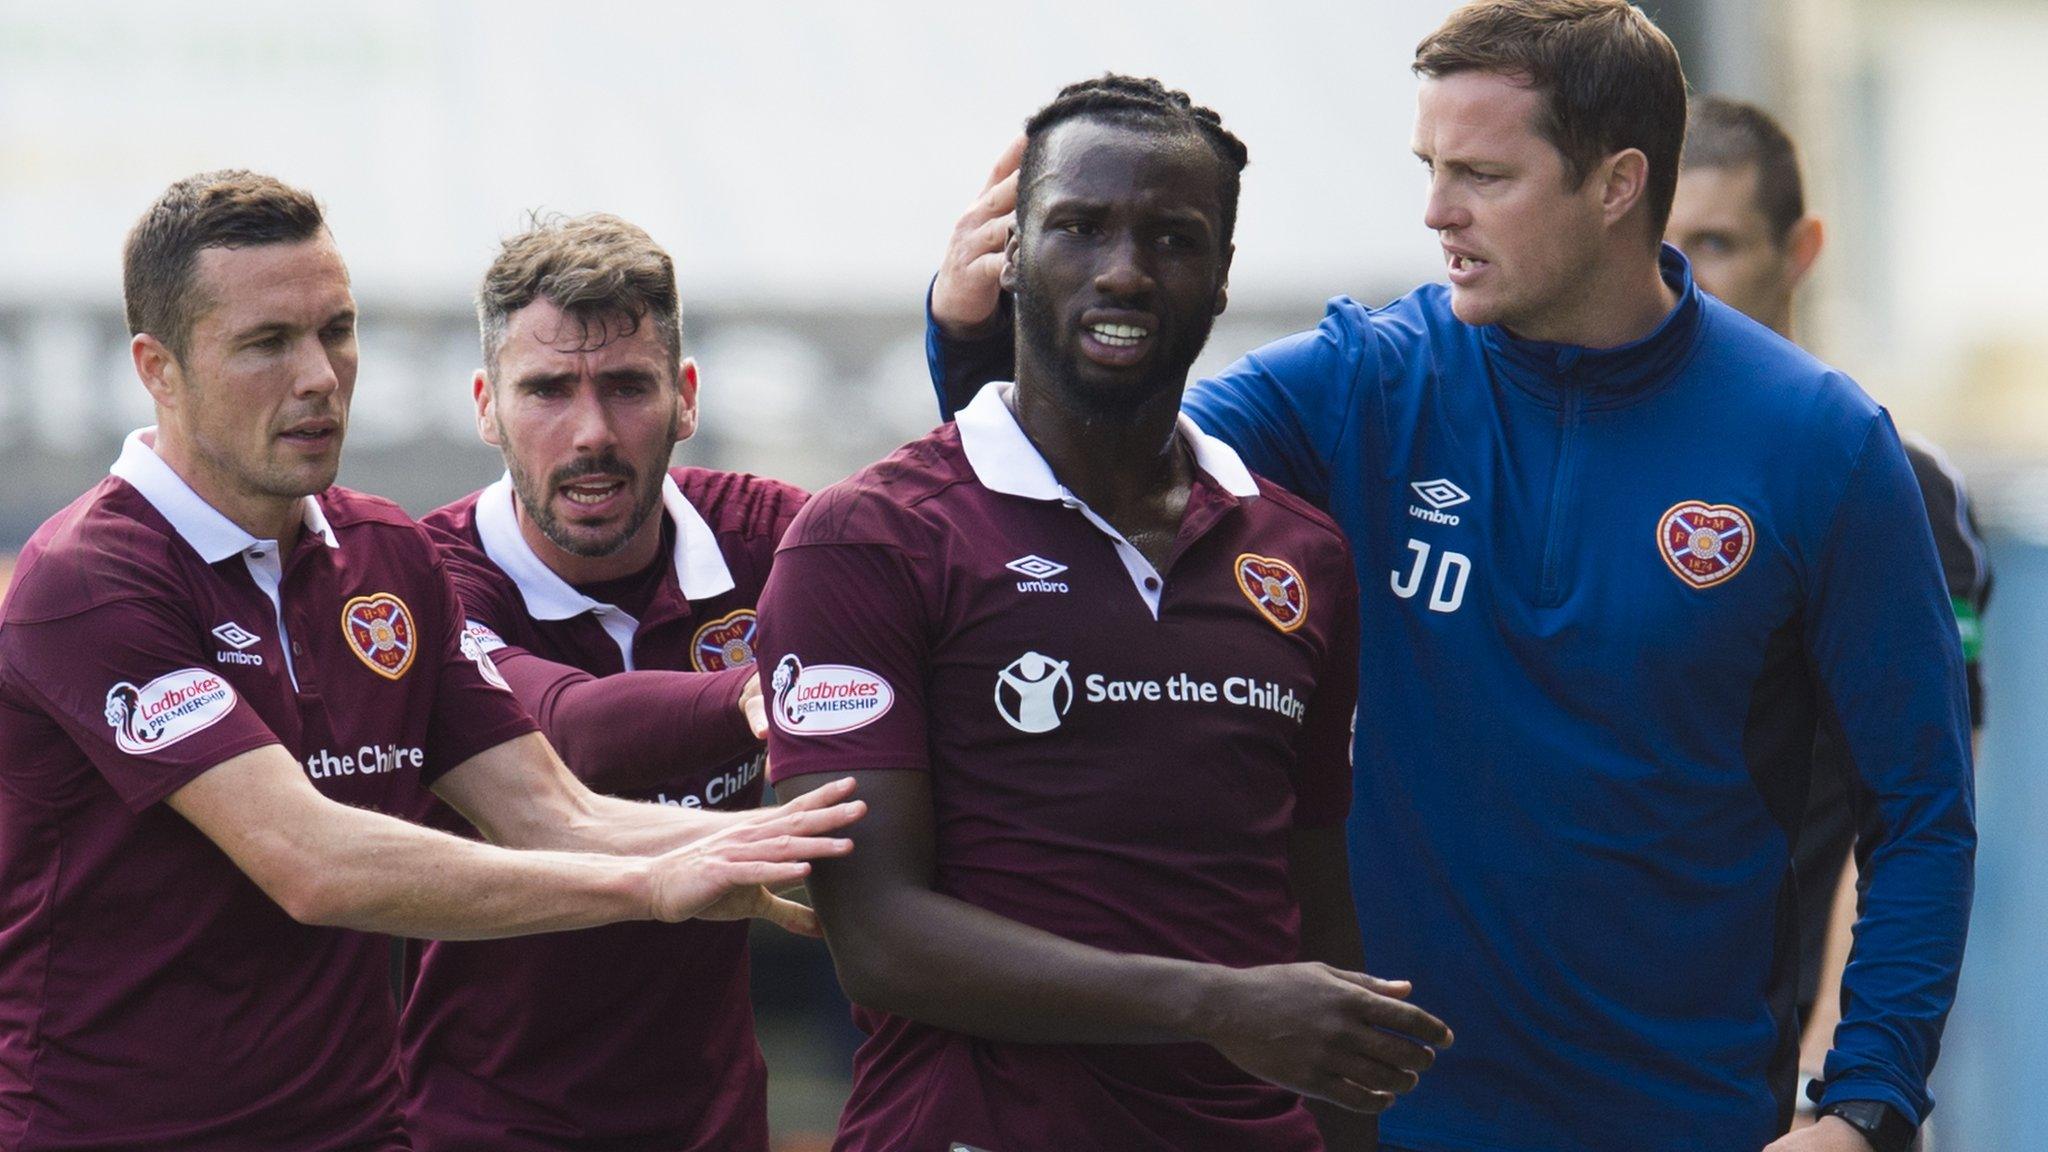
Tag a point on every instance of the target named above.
point(968, 291)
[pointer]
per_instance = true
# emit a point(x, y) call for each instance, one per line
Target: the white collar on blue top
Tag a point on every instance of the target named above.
point(1005, 460)
point(211, 534)
point(700, 567)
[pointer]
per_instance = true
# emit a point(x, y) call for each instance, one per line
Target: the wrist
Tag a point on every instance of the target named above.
point(633, 889)
point(1209, 1002)
point(1880, 1127)
point(996, 323)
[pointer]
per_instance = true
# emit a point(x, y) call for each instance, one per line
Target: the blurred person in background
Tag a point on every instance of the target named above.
point(616, 596)
point(1740, 216)
point(1096, 682)
point(1615, 550)
point(221, 677)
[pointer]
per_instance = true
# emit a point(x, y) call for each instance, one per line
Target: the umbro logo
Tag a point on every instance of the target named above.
point(1439, 494)
point(1040, 572)
point(236, 638)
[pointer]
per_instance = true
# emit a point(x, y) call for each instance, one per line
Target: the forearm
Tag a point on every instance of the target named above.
point(636, 729)
point(1900, 979)
point(381, 874)
point(1007, 981)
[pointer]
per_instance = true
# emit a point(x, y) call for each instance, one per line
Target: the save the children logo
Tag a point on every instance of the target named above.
point(825, 699)
point(1034, 692)
point(167, 709)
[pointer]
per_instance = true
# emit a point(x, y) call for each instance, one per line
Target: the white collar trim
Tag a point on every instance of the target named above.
point(204, 527)
point(1005, 460)
point(701, 572)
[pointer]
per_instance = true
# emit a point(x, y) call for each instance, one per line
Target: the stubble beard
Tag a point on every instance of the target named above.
point(1038, 331)
point(535, 499)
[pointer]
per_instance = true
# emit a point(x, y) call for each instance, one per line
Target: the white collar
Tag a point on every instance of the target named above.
point(211, 534)
point(1005, 460)
point(700, 567)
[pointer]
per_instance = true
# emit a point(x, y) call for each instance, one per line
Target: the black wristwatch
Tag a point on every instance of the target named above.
point(1881, 1124)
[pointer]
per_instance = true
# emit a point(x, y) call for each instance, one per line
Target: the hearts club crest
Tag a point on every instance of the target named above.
point(1274, 588)
point(379, 631)
point(727, 642)
point(1705, 544)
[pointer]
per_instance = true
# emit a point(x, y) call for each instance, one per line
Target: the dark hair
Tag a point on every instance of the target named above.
point(1724, 133)
point(1138, 101)
point(229, 208)
point(1610, 78)
point(597, 268)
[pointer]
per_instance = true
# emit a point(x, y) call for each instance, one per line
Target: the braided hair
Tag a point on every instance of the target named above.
point(1140, 101)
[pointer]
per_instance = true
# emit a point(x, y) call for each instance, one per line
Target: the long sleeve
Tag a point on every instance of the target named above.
point(1883, 640)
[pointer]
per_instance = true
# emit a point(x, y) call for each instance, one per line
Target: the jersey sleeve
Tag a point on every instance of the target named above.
point(844, 652)
point(630, 729)
point(1289, 406)
point(1322, 794)
point(474, 709)
point(1882, 639)
point(130, 683)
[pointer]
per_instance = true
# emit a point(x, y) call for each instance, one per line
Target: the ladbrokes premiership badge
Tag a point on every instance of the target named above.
point(1275, 589)
point(727, 642)
point(1705, 543)
point(379, 631)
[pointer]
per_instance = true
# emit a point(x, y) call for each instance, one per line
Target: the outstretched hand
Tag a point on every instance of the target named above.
point(969, 288)
point(1345, 1037)
point(730, 874)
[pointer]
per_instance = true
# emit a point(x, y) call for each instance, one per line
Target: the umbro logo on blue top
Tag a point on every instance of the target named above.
point(1439, 494)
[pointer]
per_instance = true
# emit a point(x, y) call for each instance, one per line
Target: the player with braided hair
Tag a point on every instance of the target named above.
point(1102, 899)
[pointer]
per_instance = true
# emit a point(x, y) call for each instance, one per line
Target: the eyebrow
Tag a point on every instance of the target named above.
point(608, 376)
point(285, 327)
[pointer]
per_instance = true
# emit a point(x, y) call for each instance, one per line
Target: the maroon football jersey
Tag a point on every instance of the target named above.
point(635, 1035)
point(1117, 754)
point(151, 996)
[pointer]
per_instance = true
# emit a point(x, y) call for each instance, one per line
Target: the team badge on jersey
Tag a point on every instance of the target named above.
point(1705, 543)
point(727, 642)
point(379, 631)
point(1275, 589)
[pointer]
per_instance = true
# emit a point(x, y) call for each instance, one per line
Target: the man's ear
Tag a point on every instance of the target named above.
point(686, 399)
point(161, 374)
point(1624, 178)
point(1223, 281)
point(1803, 242)
point(486, 408)
point(1008, 277)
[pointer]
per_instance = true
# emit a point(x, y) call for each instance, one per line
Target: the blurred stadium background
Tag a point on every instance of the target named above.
point(804, 163)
